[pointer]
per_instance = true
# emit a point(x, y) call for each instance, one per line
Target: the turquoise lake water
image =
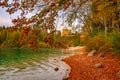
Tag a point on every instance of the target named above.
point(24, 64)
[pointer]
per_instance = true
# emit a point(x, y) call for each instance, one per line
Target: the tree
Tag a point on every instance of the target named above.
point(93, 14)
point(45, 11)
point(105, 14)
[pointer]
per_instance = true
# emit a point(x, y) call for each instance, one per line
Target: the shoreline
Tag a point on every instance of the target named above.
point(83, 67)
point(54, 68)
point(75, 50)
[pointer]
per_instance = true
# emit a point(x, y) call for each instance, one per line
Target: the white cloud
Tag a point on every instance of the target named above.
point(4, 18)
point(5, 21)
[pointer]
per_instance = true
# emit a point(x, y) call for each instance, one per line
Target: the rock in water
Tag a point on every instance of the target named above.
point(99, 65)
point(66, 78)
point(91, 53)
point(56, 69)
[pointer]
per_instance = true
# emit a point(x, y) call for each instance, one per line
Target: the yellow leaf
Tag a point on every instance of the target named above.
point(45, 0)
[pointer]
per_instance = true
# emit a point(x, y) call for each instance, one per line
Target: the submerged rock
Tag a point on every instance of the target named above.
point(3, 69)
point(56, 69)
point(65, 78)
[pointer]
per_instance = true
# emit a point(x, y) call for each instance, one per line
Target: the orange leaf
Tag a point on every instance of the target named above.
point(45, 0)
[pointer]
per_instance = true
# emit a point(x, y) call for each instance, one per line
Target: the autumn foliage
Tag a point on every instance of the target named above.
point(94, 17)
point(31, 38)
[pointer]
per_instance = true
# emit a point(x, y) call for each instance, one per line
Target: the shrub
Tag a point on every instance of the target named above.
point(43, 45)
point(97, 42)
point(114, 39)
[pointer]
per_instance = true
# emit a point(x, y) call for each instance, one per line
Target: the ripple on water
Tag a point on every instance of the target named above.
point(43, 70)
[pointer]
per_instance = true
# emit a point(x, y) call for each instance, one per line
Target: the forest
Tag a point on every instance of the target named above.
point(33, 38)
point(99, 20)
point(73, 39)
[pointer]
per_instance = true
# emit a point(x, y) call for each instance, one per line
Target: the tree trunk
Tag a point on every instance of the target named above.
point(105, 25)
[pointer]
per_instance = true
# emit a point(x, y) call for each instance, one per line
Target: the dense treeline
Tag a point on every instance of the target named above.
point(26, 37)
point(103, 26)
point(100, 20)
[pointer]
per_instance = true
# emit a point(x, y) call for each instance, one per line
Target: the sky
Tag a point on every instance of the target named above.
point(60, 23)
point(5, 18)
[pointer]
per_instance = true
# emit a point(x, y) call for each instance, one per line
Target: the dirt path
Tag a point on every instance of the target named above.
point(83, 67)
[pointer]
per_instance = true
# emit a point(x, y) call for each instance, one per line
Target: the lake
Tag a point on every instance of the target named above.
point(24, 64)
